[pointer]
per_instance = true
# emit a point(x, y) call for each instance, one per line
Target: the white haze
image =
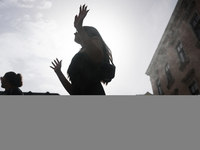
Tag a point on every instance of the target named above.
point(35, 32)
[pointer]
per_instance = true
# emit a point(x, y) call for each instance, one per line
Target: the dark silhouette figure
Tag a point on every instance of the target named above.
point(11, 83)
point(91, 65)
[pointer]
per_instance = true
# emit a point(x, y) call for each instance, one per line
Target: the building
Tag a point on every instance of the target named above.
point(39, 93)
point(147, 93)
point(36, 93)
point(175, 66)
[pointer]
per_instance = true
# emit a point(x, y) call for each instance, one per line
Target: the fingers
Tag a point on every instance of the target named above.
point(82, 13)
point(83, 8)
point(78, 20)
point(55, 63)
point(86, 8)
point(52, 67)
point(80, 9)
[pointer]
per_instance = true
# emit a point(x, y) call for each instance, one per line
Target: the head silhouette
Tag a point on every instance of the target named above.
point(12, 79)
point(91, 32)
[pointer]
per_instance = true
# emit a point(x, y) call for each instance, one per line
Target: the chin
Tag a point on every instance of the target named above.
point(77, 41)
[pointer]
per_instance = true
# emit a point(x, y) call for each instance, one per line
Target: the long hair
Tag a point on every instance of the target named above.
point(14, 79)
point(91, 32)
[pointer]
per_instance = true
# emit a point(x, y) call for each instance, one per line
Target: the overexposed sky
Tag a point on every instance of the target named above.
point(34, 32)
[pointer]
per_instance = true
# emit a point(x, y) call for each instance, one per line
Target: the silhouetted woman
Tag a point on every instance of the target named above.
point(11, 82)
point(84, 70)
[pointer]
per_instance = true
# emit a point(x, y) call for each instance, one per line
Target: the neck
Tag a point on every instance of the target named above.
point(8, 87)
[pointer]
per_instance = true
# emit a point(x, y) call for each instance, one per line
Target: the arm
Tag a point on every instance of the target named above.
point(57, 68)
point(93, 46)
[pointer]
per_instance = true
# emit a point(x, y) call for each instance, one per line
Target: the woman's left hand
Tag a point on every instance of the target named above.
point(78, 21)
point(56, 65)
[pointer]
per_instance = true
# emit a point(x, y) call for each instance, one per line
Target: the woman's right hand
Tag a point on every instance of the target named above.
point(56, 65)
point(78, 20)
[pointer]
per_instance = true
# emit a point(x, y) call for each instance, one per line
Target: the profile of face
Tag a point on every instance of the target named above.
point(3, 82)
point(77, 38)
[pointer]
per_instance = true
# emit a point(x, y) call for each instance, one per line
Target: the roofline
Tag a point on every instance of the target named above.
point(176, 9)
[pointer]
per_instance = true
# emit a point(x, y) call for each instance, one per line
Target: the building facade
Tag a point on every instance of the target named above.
point(175, 66)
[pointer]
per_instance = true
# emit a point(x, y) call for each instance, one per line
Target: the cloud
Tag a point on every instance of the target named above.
point(37, 34)
point(45, 5)
point(16, 3)
point(30, 35)
point(29, 48)
point(26, 4)
point(28, 0)
point(7, 3)
point(26, 17)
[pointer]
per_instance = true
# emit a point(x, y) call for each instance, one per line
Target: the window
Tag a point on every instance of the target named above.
point(194, 89)
point(160, 92)
point(195, 22)
point(181, 53)
point(168, 74)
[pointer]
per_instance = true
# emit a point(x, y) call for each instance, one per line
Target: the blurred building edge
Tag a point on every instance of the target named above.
point(147, 93)
point(36, 93)
point(174, 68)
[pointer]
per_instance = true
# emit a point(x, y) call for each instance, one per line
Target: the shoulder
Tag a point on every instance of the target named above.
point(16, 91)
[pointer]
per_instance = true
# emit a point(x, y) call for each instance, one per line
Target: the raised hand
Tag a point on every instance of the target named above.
point(56, 65)
point(78, 21)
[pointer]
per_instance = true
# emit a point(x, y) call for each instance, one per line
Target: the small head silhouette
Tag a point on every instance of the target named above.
point(11, 79)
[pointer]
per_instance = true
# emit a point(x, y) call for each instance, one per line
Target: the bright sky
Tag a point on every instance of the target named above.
point(34, 32)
